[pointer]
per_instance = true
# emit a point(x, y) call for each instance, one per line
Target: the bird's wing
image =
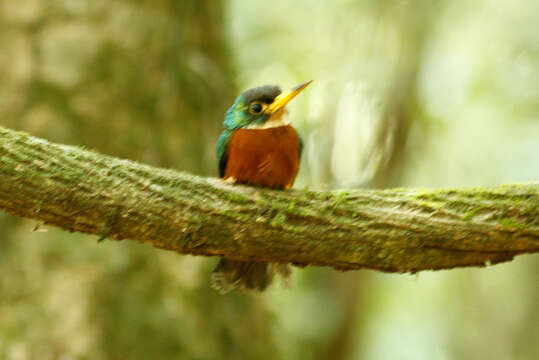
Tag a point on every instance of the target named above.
point(222, 151)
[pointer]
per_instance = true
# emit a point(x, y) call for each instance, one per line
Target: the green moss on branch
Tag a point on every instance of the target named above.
point(401, 230)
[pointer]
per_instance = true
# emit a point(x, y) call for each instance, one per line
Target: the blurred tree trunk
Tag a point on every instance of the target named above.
point(400, 111)
point(141, 80)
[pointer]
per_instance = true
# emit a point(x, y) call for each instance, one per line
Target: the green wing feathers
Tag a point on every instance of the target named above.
point(222, 151)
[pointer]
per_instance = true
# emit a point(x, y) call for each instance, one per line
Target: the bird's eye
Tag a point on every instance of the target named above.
point(255, 108)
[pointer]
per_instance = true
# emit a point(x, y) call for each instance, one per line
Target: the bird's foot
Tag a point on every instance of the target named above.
point(231, 180)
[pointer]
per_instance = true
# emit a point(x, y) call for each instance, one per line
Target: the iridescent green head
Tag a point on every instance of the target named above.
point(257, 106)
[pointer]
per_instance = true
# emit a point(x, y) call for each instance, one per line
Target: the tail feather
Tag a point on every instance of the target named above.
point(231, 274)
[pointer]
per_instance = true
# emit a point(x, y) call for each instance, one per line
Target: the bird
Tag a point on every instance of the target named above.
point(257, 146)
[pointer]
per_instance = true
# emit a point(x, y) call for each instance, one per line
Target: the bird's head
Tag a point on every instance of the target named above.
point(260, 107)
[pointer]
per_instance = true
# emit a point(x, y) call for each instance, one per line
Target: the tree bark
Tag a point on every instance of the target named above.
point(398, 230)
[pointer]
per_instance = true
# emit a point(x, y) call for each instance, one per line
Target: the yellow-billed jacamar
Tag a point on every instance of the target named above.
point(258, 147)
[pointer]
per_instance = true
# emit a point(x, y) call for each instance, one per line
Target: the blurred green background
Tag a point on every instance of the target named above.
point(406, 93)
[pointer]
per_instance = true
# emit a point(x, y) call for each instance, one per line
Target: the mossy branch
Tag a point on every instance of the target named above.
point(399, 230)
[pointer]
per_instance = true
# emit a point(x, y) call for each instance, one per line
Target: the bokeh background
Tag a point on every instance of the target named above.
point(425, 93)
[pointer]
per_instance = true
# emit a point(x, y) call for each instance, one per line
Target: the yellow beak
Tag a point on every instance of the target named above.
point(284, 98)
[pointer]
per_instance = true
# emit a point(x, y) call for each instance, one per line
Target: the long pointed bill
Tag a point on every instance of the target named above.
point(284, 98)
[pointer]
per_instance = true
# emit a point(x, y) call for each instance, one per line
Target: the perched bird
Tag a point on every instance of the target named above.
point(258, 146)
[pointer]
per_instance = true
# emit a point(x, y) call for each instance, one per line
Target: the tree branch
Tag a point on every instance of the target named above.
point(399, 230)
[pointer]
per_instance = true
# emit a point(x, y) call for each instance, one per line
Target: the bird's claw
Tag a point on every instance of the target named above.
point(231, 180)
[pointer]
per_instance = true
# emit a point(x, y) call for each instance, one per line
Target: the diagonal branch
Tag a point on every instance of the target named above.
point(399, 230)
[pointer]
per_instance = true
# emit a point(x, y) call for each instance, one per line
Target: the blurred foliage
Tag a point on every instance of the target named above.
point(406, 93)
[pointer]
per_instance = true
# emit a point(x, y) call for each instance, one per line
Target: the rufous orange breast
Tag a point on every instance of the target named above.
point(267, 157)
